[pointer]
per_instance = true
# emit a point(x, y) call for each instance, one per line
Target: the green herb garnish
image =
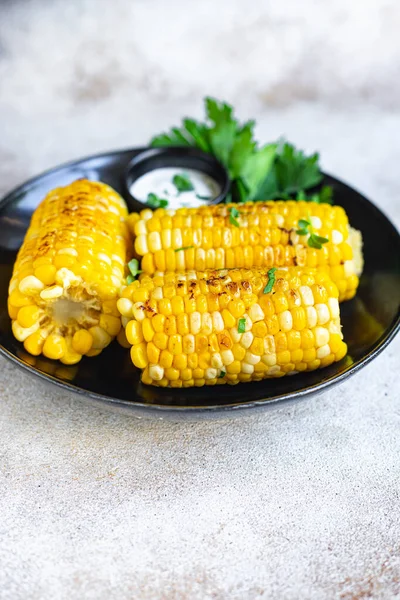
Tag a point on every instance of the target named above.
point(133, 266)
point(183, 248)
point(154, 201)
point(271, 281)
point(233, 215)
point(221, 375)
point(182, 183)
point(314, 240)
point(273, 171)
point(130, 279)
point(242, 325)
point(229, 141)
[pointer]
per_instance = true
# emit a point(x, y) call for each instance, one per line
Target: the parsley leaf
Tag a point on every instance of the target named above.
point(221, 375)
point(154, 201)
point(314, 240)
point(133, 266)
point(182, 183)
point(241, 325)
point(271, 281)
point(130, 279)
point(233, 214)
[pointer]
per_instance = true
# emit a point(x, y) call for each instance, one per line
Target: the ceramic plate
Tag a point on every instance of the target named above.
point(370, 321)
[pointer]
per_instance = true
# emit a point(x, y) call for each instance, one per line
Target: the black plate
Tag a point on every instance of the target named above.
point(370, 321)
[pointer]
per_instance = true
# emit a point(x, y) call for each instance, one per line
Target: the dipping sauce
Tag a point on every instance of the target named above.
point(160, 182)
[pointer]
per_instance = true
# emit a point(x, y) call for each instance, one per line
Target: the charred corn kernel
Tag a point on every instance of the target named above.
point(82, 341)
point(70, 268)
point(267, 342)
point(54, 346)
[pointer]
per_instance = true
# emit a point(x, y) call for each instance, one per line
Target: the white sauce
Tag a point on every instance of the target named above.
point(159, 182)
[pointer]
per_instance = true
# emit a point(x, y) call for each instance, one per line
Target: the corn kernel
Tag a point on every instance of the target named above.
point(139, 356)
point(110, 324)
point(54, 346)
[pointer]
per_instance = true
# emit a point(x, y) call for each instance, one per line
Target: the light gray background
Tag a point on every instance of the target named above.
point(299, 502)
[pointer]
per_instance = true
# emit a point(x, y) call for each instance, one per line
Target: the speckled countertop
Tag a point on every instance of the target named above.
point(298, 502)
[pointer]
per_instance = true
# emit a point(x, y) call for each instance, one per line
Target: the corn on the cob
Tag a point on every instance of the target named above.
point(220, 326)
point(68, 272)
point(266, 237)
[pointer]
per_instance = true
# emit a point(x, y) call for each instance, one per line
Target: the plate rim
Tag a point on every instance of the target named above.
point(147, 408)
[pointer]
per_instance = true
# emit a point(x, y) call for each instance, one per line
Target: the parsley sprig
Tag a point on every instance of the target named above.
point(274, 171)
point(314, 240)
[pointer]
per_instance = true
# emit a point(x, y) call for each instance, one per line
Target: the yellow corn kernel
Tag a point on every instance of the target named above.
point(236, 308)
point(309, 355)
point(166, 359)
point(147, 329)
point(82, 341)
point(70, 357)
point(34, 343)
point(153, 353)
point(17, 299)
point(139, 355)
point(46, 274)
point(54, 346)
point(101, 338)
point(158, 322)
point(160, 340)
point(238, 352)
point(171, 374)
point(260, 329)
point(341, 352)
point(177, 305)
point(233, 368)
point(110, 324)
point(180, 361)
point(29, 315)
point(134, 333)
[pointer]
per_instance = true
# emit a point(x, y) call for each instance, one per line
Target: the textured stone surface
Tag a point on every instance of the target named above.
point(299, 502)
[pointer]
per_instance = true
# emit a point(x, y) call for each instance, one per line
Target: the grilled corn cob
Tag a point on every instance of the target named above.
point(225, 326)
point(263, 235)
point(63, 291)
